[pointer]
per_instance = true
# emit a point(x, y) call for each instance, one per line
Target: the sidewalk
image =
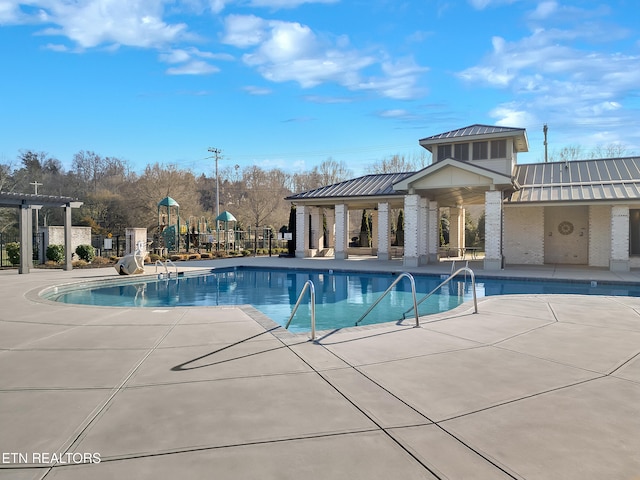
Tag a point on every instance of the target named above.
point(531, 387)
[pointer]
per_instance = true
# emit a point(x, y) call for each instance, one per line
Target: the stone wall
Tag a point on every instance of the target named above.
point(524, 236)
point(599, 235)
point(55, 236)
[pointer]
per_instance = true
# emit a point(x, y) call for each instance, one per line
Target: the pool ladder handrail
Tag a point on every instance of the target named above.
point(413, 293)
point(166, 268)
point(449, 278)
point(312, 300)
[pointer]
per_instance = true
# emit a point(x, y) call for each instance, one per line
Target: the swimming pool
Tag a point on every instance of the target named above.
point(341, 296)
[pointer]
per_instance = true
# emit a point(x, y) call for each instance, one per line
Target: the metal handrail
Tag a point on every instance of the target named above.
point(312, 299)
point(473, 286)
point(413, 292)
point(166, 268)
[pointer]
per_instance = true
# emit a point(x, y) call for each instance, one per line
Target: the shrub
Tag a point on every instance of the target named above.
point(85, 252)
point(205, 255)
point(79, 263)
point(194, 256)
point(55, 253)
point(101, 261)
point(13, 252)
point(154, 257)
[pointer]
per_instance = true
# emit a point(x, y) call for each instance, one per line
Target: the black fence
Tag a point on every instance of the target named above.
point(39, 253)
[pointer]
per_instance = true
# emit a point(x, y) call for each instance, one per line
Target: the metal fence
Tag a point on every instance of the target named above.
point(39, 253)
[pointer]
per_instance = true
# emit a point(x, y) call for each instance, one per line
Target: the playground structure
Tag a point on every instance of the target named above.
point(195, 234)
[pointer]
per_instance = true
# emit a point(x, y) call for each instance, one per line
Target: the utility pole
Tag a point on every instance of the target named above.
point(35, 186)
point(216, 155)
point(545, 129)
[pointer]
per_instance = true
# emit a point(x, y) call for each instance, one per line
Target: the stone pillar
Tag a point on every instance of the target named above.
point(315, 242)
point(132, 237)
point(302, 231)
point(456, 228)
point(493, 230)
point(411, 230)
point(68, 253)
point(434, 232)
point(330, 215)
point(619, 261)
point(342, 232)
point(383, 237)
point(25, 238)
point(423, 231)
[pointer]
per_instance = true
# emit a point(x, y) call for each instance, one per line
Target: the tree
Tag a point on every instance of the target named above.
point(263, 200)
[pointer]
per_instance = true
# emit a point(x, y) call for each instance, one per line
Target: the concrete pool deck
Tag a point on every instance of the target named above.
point(531, 387)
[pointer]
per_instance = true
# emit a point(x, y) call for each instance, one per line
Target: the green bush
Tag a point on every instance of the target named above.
point(55, 253)
point(13, 252)
point(85, 252)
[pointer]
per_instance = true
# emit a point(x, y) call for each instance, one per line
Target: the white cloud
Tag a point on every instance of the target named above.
point(544, 10)
point(193, 67)
point(191, 60)
point(244, 30)
point(290, 51)
point(285, 3)
point(90, 23)
point(509, 115)
point(482, 4)
point(253, 90)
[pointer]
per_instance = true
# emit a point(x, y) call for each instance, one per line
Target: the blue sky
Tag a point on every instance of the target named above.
point(290, 83)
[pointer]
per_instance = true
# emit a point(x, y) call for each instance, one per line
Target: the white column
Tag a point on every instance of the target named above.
point(493, 230)
point(384, 231)
point(342, 232)
point(25, 238)
point(67, 238)
point(315, 242)
point(619, 261)
point(411, 230)
point(330, 215)
point(434, 232)
point(456, 228)
point(302, 231)
point(423, 231)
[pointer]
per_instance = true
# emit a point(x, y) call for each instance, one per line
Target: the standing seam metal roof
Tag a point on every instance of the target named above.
point(368, 185)
point(471, 130)
point(581, 180)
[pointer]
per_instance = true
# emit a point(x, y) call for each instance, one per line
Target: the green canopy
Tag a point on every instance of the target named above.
point(226, 217)
point(168, 202)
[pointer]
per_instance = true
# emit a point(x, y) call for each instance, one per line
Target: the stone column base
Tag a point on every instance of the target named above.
point(619, 265)
point(493, 264)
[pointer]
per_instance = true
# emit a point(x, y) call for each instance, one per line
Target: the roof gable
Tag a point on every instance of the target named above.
point(451, 173)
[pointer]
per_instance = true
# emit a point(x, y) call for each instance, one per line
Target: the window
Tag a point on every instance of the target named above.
point(461, 151)
point(444, 151)
point(499, 149)
point(480, 150)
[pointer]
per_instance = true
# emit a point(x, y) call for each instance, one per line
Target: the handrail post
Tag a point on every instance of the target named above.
point(413, 292)
point(454, 274)
point(312, 299)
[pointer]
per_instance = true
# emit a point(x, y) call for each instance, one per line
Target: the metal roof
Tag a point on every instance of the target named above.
point(583, 180)
point(12, 199)
point(366, 186)
point(472, 130)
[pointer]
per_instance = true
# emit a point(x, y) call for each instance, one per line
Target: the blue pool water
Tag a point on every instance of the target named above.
point(341, 297)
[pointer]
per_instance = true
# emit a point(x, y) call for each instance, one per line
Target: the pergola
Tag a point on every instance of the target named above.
point(26, 203)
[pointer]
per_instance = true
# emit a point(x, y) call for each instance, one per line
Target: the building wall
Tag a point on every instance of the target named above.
point(524, 236)
point(55, 236)
point(599, 235)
